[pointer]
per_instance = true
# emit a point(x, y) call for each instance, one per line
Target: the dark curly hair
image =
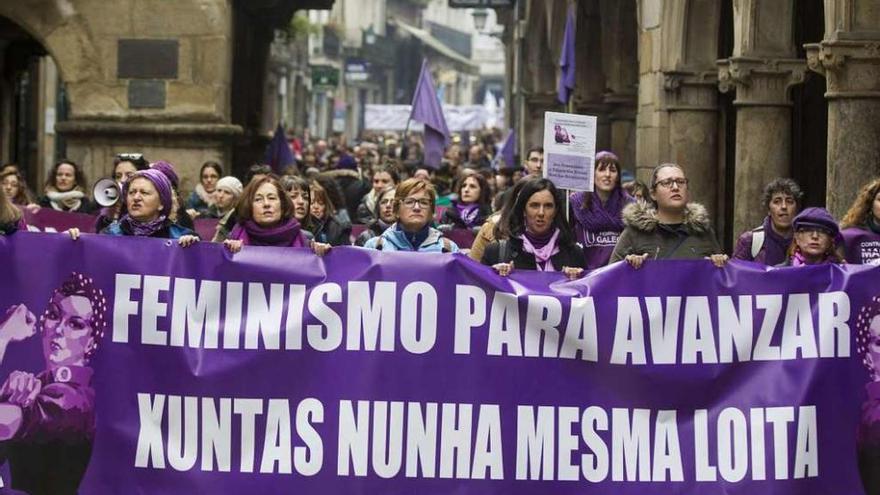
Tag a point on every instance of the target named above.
point(782, 185)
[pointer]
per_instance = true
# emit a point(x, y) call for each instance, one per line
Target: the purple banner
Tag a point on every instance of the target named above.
point(49, 220)
point(274, 371)
point(206, 227)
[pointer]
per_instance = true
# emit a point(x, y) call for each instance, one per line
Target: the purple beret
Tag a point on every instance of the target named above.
point(817, 218)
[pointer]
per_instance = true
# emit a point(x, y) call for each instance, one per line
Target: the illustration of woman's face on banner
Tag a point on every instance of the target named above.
point(67, 330)
point(868, 337)
point(872, 353)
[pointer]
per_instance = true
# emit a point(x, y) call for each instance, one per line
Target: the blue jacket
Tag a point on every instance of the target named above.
point(395, 240)
point(172, 231)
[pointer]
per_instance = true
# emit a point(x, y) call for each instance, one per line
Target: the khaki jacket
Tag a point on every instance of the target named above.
point(644, 234)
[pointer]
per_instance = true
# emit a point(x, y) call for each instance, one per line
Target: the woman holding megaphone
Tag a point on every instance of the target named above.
point(107, 191)
point(146, 209)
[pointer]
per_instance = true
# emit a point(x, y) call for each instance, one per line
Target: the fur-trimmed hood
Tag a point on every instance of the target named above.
point(338, 173)
point(643, 216)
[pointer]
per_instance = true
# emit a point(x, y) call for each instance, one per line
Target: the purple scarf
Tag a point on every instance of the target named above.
point(598, 217)
point(775, 246)
point(142, 229)
point(542, 248)
point(285, 234)
point(468, 212)
point(797, 259)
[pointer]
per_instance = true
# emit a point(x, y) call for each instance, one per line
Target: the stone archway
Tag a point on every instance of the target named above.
point(31, 101)
point(58, 26)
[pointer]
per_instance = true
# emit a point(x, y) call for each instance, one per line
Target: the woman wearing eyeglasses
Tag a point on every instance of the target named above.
point(200, 201)
point(414, 207)
point(668, 226)
point(816, 236)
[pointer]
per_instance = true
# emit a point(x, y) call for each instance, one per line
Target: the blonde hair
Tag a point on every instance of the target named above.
point(9, 213)
point(412, 186)
point(858, 213)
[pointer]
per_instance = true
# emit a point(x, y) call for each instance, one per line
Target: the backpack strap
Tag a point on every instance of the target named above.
point(758, 236)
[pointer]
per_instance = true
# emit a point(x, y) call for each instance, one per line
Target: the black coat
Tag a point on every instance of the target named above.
point(373, 229)
point(85, 205)
point(451, 216)
point(571, 256)
point(331, 231)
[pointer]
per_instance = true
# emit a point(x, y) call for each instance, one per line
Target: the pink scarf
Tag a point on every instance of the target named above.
point(798, 259)
point(542, 255)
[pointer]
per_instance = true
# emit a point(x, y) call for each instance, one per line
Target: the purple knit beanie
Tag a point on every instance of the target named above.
point(160, 181)
point(168, 169)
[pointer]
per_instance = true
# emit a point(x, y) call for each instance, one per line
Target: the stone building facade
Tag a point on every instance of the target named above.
point(181, 81)
point(737, 91)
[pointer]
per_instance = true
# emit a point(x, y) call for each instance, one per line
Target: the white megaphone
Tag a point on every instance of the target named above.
point(106, 192)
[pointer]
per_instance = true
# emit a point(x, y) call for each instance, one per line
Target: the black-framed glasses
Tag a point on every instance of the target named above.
point(667, 183)
point(810, 229)
point(411, 202)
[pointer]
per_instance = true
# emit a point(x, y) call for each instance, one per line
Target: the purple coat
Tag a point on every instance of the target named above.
point(862, 246)
point(597, 228)
point(773, 250)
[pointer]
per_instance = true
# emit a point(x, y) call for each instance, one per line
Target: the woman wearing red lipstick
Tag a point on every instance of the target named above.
point(669, 226)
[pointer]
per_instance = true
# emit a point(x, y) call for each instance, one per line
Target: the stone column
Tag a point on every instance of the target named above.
point(533, 118)
point(852, 70)
point(692, 105)
point(763, 128)
point(622, 116)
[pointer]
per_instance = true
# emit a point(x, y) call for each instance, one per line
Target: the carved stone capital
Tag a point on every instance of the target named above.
point(686, 90)
point(621, 106)
point(851, 68)
point(760, 82)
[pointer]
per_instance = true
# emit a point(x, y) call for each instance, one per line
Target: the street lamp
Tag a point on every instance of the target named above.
point(480, 16)
point(370, 35)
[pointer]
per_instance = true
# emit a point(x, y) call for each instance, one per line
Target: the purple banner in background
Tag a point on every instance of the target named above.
point(206, 227)
point(196, 371)
point(49, 220)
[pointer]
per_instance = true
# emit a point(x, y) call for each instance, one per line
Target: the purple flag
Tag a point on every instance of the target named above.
point(426, 109)
point(507, 151)
point(565, 87)
point(278, 154)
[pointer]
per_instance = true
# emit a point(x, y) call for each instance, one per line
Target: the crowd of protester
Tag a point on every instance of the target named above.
point(379, 195)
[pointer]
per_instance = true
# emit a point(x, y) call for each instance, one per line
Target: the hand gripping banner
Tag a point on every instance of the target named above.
point(136, 366)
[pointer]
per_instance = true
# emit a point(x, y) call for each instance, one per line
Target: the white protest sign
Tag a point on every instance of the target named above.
point(569, 150)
